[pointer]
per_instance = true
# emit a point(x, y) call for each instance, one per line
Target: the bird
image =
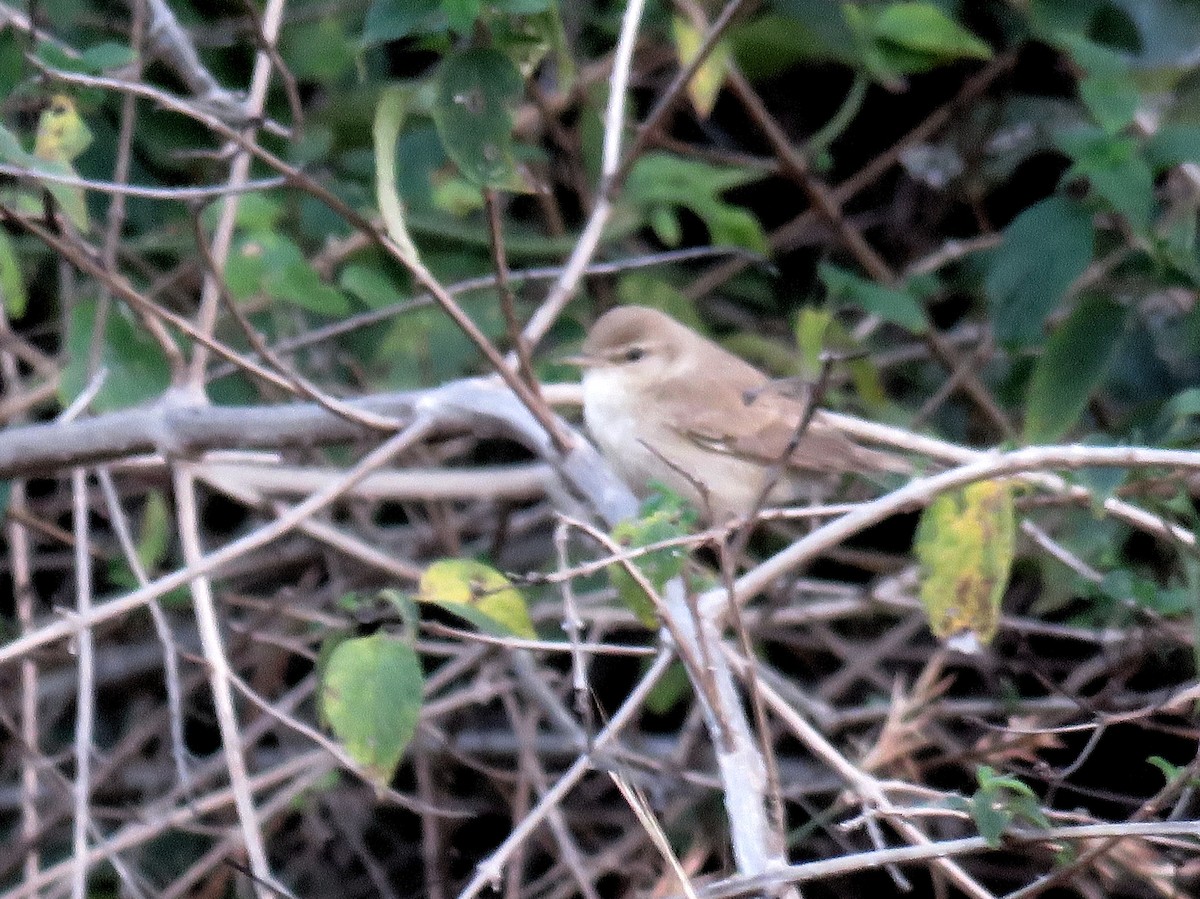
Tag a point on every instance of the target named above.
point(666, 404)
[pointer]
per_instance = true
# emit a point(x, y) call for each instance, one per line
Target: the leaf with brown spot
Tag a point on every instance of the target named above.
point(965, 544)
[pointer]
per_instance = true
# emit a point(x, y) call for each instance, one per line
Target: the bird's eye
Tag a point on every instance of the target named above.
point(633, 354)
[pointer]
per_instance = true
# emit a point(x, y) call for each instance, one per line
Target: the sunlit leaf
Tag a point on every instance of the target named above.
point(965, 544)
point(478, 593)
point(371, 699)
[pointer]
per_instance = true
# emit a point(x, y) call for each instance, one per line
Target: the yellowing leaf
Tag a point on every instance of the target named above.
point(478, 593)
point(61, 134)
point(706, 83)
point(965, 544)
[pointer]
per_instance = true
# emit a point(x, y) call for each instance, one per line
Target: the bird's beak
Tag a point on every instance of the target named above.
point(580, 361)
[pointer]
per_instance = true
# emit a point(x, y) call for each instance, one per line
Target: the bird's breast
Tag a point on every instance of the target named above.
point(643, 448)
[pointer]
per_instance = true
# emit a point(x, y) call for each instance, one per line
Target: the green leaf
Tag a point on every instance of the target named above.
point(155, 538)
point(990, 817)
point(12, 61)
point(369, 284)
point(461, 14)
point(672, 689)
point(663, 516)
point(529, 37)
point(390, 20)
point(1108, 91)
point(1056, 17)
point(1172, 145)
point(818, 331)
point(297, 282)
point(1116, 171)
point(478, 593)
point(826, 33)
point(107, 56)
point(255, 212)
point(1045, 249)
point(525, 7)
point(271, 262)
point(900, 306)
point(1076, 359)
point(11, 280)
point(812, 325)
point(1113, 100)
point(925, 28)
point(965, 543)
point(476, 91)
point(137, 369)
point(332, 64)
point(660, 179)
point(1169, 771)
point(371, 699)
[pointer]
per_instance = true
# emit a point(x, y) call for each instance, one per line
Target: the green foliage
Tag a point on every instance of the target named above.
point(999, 802)
point(1045, 249)
point(269, 261)
point(371, 699)
point(62, 135)
point(390, 20)
point(135, 369)
point(1028, 157)
point(660, 184)
point(900, 306)
point(818, 332)
point(476, 91)
point(1076, 359)
point(12, 282)
point(664, 516)
point(900, 38)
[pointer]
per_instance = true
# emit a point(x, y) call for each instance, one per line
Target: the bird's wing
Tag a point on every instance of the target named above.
point(765, 428)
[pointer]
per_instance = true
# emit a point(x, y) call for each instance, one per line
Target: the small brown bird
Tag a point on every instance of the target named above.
point(666, 404)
